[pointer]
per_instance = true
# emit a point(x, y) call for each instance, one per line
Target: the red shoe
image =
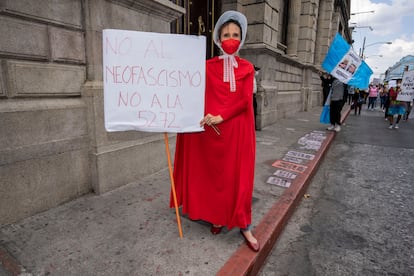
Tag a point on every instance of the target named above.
point(215, 229)
point(253, 246)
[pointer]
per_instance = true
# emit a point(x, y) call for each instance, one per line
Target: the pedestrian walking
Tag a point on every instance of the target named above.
point(357, 102)
point(337, 102)
point(387, 102)
point(383, 93)
point(409, 106)
point(351, 93)
point(372, 96)
point(396, 108)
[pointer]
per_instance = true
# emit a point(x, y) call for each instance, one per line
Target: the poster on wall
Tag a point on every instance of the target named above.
point(153, 82)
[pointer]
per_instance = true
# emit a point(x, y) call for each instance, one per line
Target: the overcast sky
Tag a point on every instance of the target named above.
point(391, 21)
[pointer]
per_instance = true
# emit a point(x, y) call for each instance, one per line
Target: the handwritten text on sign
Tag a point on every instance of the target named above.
point(407, 87)
point(153, 82)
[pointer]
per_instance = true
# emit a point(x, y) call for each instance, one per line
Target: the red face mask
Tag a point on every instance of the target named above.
point(230, 46)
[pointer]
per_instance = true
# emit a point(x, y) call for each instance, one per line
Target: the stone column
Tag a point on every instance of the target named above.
point(306, 88)
point(293, 27)
point(324, 29)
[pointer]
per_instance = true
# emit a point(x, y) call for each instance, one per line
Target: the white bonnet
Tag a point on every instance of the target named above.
point(226, 16)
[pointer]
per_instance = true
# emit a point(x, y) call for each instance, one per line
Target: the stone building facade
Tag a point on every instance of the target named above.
point(53, 145)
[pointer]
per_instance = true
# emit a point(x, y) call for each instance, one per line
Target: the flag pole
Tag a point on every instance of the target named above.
point(177, 214)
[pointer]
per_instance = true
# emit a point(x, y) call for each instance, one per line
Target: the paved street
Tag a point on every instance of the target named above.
point(358, 219)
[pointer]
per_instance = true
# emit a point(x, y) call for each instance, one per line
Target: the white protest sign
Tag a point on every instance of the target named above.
point(392, 83)
point(153, 82)
point(407, 87)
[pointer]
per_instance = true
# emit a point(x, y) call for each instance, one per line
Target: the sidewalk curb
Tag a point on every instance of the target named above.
point(246, 262)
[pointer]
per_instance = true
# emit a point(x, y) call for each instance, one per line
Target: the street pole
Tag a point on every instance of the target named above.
point(363, 48)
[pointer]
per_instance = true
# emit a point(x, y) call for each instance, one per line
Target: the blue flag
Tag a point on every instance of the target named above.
point(343, 63)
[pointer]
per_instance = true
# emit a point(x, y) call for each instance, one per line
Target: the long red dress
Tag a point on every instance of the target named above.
point(213, 173)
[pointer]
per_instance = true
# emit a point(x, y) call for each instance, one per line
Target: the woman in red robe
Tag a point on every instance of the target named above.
point(214, 169)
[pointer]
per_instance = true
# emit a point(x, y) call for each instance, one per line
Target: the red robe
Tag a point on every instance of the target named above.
point(213, 173)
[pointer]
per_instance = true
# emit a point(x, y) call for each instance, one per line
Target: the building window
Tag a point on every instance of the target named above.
point(283, 22)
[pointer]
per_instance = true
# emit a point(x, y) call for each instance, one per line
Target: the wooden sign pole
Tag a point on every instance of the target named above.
point(177, 213)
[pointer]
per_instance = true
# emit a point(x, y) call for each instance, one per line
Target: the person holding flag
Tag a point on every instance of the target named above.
point(348, 68)
point(337, 102)
point(343, 63)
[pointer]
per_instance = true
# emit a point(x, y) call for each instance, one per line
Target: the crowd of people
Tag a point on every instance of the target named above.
point(388, 103)
point(338, 94)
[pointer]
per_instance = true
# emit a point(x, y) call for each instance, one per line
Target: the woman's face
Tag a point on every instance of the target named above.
point(229, 31)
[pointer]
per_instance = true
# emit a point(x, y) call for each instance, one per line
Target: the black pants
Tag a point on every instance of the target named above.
point(335, 112)
point(350, 98)
point(358, 107)
point(325, 93)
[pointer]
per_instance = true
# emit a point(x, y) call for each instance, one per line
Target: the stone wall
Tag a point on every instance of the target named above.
point(119, 158)
point(43, 131)
point(325, 30)
point(53, 146)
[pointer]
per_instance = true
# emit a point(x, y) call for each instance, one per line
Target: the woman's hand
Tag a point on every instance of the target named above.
point(211, 120)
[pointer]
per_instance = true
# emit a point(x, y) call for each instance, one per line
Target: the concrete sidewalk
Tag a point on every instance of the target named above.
point(131, 231)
